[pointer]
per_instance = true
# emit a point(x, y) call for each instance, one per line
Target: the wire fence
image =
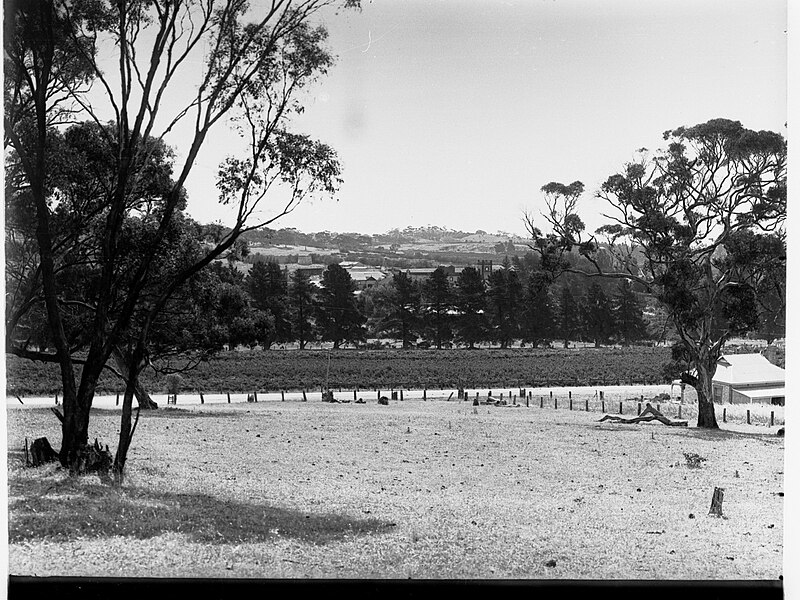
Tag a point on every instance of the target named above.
point(625, 401)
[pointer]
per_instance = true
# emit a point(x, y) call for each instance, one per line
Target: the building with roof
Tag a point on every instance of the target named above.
point(745, 378)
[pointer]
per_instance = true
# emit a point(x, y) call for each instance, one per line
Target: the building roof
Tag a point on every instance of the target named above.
point(756, 393)
point(747, 369)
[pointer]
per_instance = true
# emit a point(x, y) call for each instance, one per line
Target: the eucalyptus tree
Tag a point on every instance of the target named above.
point(698, 225)
point(222, 62)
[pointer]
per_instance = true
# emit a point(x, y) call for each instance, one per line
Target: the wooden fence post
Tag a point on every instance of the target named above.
point(527, 401)
point(570, 400)
point(283, 397)
point(771, 418)
point(679, 411)
point(620, 408)
point(304, 396)
point(117, 399)
point(555, 400)
point(202, 400)
point(355, 397)
point(541, 401)
point(587, 405)
point(748, 416)
point(229, 397)
point(424, 393)
point(639, 409)
point(401, 394)
point(255, 396)
point(602, 406)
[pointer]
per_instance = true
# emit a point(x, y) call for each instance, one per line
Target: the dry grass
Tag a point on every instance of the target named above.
point(415, 489)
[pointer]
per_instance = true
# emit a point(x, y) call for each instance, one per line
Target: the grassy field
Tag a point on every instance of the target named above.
point(415, 489)
point(370, 369)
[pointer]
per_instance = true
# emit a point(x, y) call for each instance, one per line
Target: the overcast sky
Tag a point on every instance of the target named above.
point(454, 113)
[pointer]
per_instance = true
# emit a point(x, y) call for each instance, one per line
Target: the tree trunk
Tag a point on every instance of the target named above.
point(706, 418)
point(127, 429)
point(74, 433)
point(142, 397)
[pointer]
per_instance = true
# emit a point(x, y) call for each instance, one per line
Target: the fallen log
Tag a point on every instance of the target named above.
point(648, 414)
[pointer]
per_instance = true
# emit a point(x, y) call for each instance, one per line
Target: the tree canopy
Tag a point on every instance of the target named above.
point(677, 222)
point(71, 115)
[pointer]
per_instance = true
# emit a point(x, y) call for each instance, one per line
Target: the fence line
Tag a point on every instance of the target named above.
point(626, 401)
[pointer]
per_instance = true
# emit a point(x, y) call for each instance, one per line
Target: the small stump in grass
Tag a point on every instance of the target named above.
point(41, 452)
point(383, 401)
point(716, 502)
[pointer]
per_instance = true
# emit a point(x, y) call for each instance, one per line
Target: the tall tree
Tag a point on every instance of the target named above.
point(504, 295)
point(398, 309)
point(538, 315)
point(470, 303)
point(596, 315)
point(248, 74)
point(338, 317)
point(676, 219)
point(569, 319)
point(268, 286)
point(629, 323)
point(301, 304)
point(438, 302)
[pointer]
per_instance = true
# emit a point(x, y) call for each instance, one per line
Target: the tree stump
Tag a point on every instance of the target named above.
point(383, 401)
point(42, 452)
point(716, 502)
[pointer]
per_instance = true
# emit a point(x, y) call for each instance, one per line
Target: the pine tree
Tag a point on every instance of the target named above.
point(504, 298)
point(300, 308)
point(597, 315)
point(538, 318)
point(568, 315)
point(438, 299)
point(470, 302)
point(268, 287)
point(629, 323)
point(338, 316)
point(398, 309)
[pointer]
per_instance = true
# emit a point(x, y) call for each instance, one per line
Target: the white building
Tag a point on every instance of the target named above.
point(744, 378)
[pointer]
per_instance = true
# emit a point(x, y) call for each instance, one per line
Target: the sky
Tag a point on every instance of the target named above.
point(455, 113)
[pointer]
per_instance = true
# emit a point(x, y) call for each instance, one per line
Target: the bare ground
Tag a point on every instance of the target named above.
point(415, 489)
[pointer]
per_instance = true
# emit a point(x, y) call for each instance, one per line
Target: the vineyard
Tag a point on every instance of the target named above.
point(381, 369)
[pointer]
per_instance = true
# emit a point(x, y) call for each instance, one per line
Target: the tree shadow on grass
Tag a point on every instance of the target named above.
point(170, 412)
point(714, 435)
point(61, 508)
